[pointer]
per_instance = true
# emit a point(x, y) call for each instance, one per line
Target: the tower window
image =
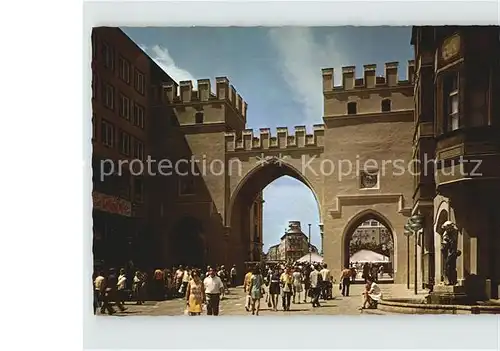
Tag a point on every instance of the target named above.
point(198, 117)
point(451, 102)
point(352, 108)
point(386, 105)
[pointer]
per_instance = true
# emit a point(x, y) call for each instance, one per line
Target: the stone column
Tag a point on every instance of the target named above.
point(226, 236)
point(321, 227)
point(428, 250)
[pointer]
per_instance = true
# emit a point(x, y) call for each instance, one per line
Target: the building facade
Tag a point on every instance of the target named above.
point(256, 220)
point(293, 245)
point(120, 80)
point(210, 209)
point(457, 124)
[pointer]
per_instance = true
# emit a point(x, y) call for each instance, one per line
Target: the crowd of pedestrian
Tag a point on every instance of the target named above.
point(113, 289)
point(204, 289)
point(290, 281)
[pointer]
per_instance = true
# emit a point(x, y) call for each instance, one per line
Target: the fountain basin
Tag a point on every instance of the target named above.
point(420, 306)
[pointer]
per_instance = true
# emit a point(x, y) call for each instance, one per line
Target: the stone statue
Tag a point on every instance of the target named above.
point(450, 251)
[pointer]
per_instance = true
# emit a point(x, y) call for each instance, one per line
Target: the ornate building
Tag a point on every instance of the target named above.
point(293, 245)
point(457, 124)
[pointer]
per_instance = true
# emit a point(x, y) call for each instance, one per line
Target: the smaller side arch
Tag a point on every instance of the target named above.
point(442, 216)
point(355, 221)
point(442, 210)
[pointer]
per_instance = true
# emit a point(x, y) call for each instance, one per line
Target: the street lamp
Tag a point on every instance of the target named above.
point(286, 246)
point(412, 227)
point(309, 248)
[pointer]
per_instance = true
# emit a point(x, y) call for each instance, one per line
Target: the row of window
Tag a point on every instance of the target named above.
point(127, 144)
point(124, 67)
point(352, 107)
point(119, 185)
point(130, 110)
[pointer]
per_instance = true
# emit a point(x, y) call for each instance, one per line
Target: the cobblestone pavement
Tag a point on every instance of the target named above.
point(233, 304)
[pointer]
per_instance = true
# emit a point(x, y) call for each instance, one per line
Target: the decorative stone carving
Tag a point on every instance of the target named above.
point(449, 243)
point(369, 179)
point(450, 48)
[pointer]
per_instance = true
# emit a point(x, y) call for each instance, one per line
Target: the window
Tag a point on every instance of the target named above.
point(186, 185)
point(138, 150)
point(124, 143)
point(351, 108)
point(124, 69)
point(124, 185)
point(198, 117)
point(124, 107)
point(138, 189)
point(109, 96)
point(94, 127)
point(451, 102)
point(386, 105)
point(139, 83)
point(107, 133)
point(138, 115)
point(108, 56)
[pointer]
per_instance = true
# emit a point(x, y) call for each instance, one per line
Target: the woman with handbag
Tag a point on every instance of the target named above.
point(195, 294)
point(256, 290)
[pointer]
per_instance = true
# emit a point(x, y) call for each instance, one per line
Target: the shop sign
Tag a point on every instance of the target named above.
point(111, 204)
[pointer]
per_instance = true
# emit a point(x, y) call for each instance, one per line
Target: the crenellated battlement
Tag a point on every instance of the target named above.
point(370, 79)
point(247, 140)
point(184, 93)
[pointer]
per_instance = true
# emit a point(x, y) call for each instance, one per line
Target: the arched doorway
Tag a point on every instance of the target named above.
point(188, 246)
point(369, 240)
point(443, 216)
point(245, 194)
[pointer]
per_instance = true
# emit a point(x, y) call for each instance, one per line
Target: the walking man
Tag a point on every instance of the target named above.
point(326, 282)
point(213, 289)
point(234, 276)
point(345, 280)
point(112, 290)
point(315, 279)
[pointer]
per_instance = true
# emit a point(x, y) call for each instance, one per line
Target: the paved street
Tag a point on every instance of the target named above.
point(233, 304)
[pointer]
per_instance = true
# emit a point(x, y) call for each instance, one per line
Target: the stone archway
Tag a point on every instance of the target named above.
point(245, 194)
point(443, 215)
point(188, 242)
point(355, 222)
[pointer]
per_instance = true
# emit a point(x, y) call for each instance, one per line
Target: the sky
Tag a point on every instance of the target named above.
point(277, 71)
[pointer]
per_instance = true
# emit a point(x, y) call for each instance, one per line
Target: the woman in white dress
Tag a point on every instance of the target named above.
point(372, 294)
point(297, 284)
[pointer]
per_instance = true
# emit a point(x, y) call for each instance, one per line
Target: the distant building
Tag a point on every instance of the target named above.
point(293, 245)
point(373, 232)
point(272, 254)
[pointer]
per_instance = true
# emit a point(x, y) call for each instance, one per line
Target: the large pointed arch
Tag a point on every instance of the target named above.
point(244, 195)
point(267, 174)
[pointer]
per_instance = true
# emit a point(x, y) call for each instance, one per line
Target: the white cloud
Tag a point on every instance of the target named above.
point(163, 59)
point(301, 60)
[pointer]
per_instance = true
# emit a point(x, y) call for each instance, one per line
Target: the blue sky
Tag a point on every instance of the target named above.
point(287, 61)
